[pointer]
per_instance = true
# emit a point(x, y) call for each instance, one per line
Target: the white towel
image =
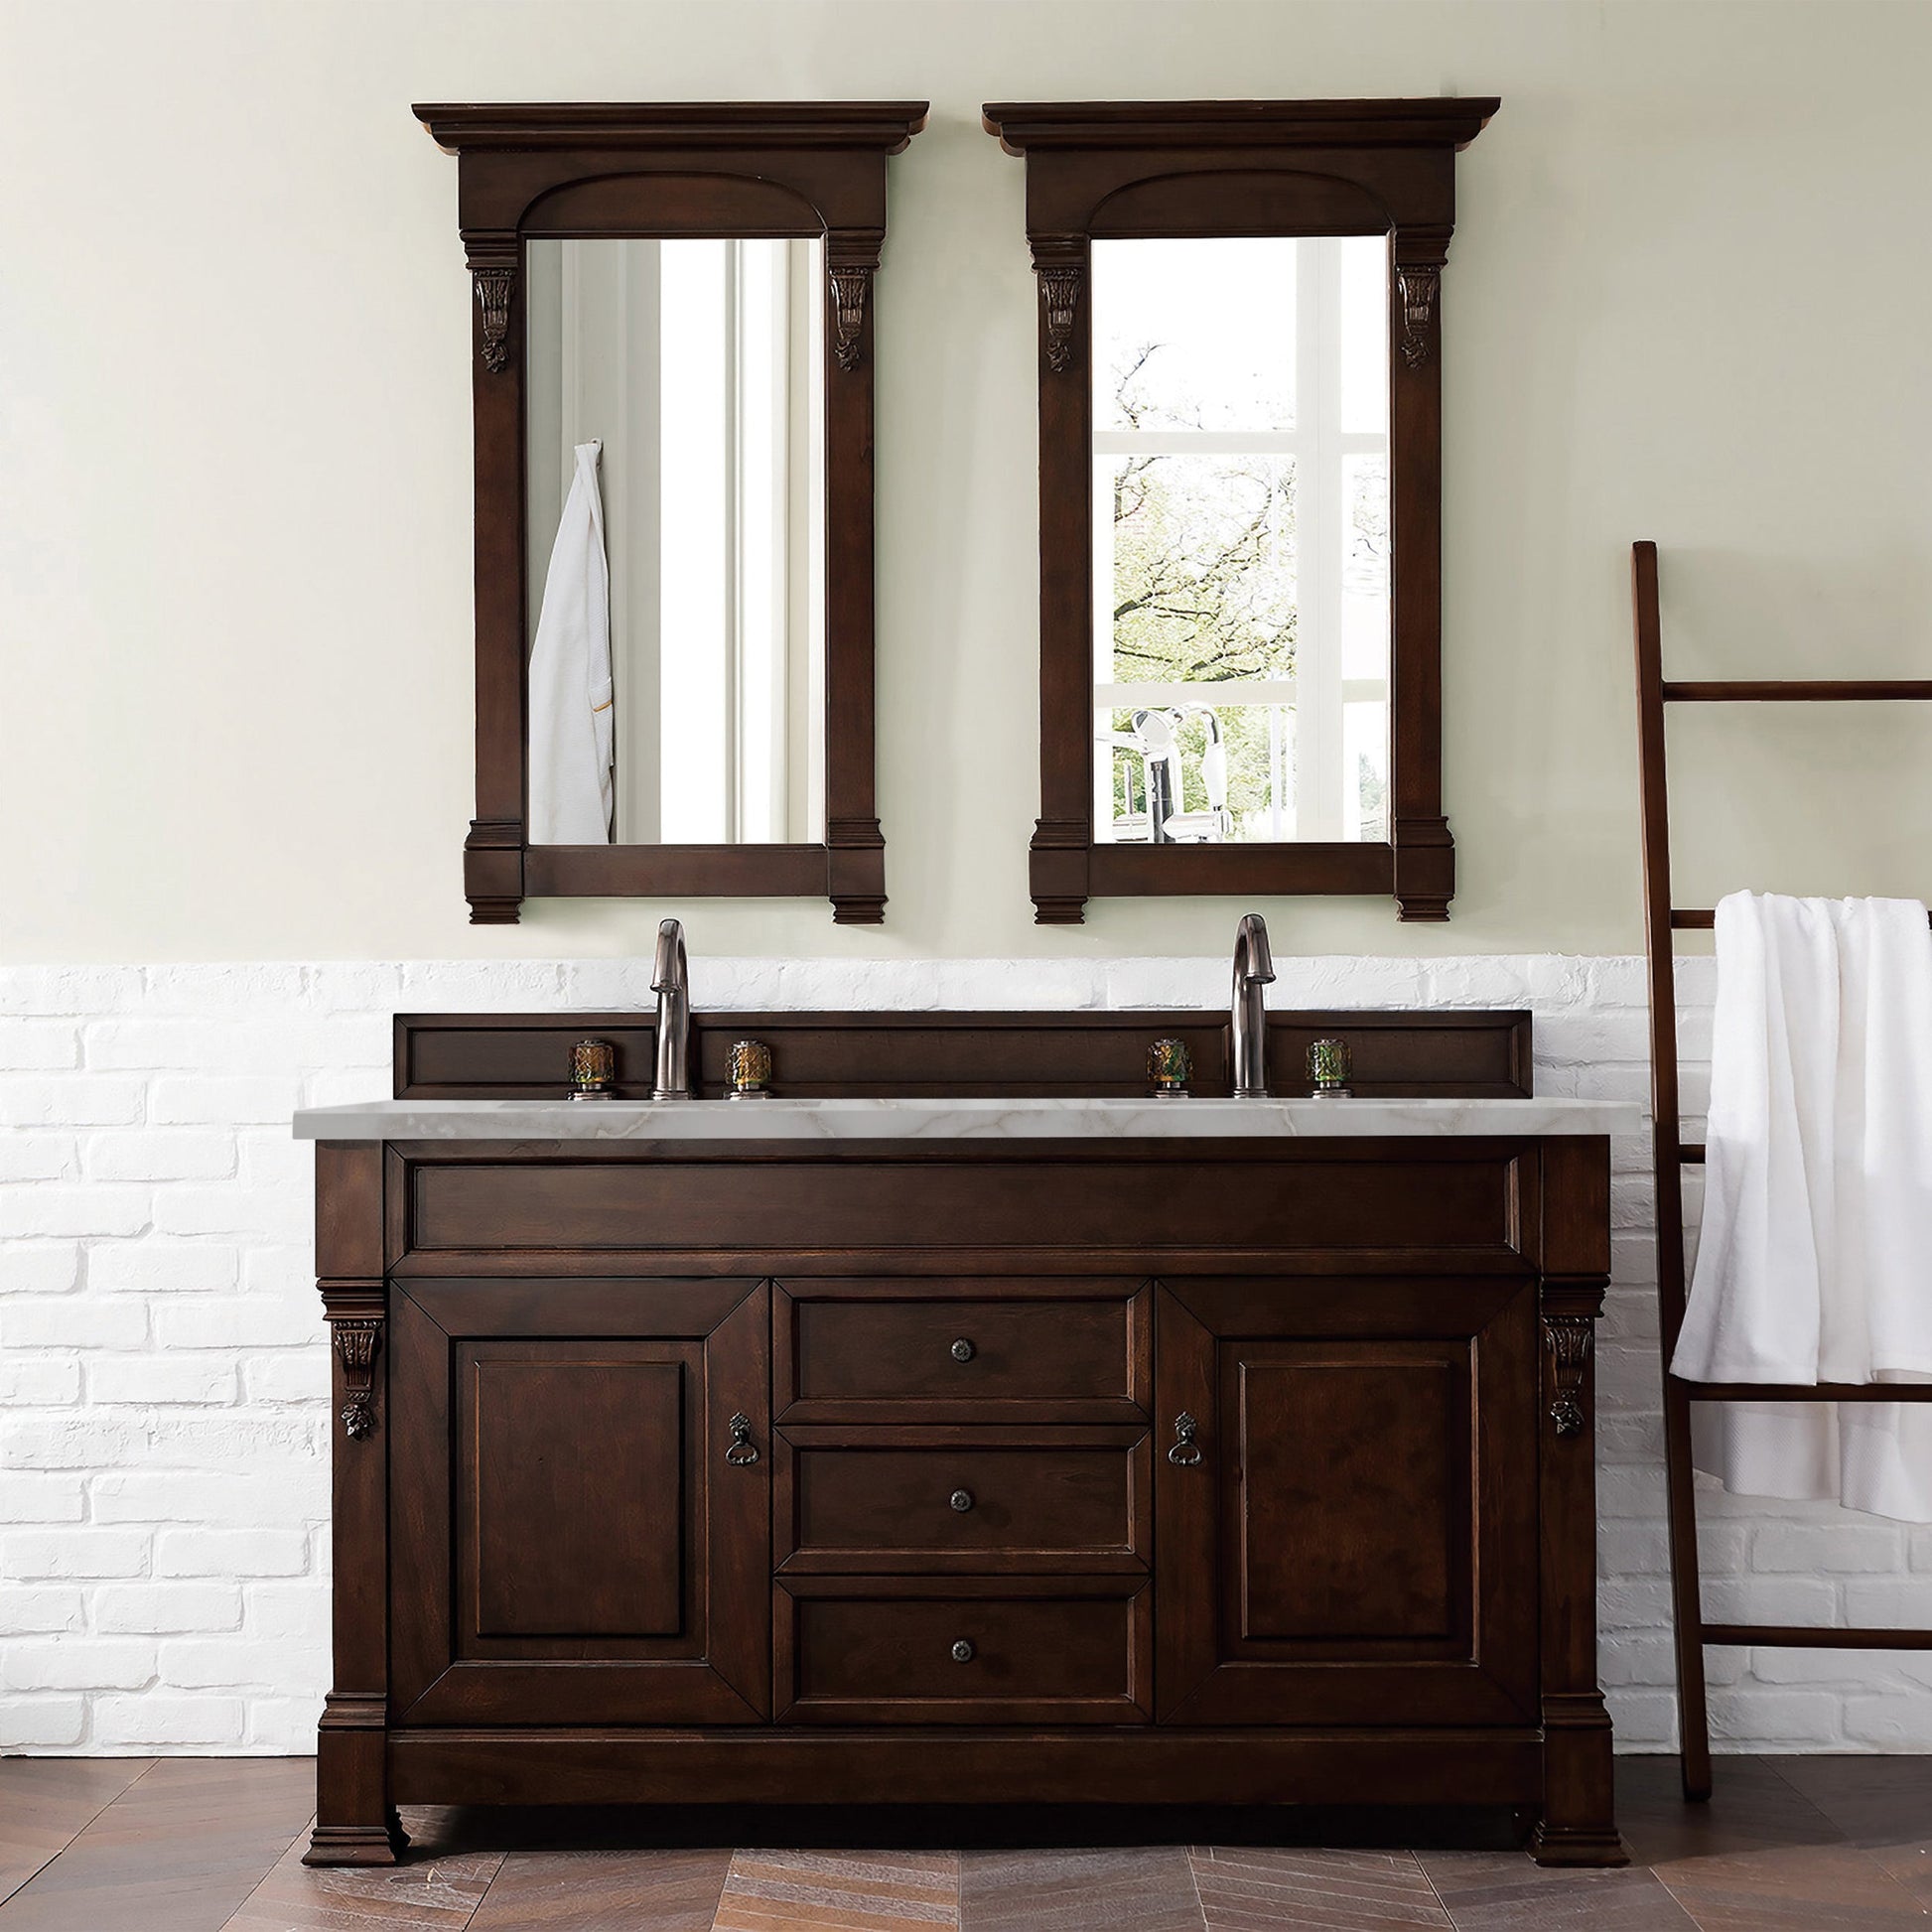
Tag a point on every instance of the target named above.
point(571, 785)
point(1814, 1259)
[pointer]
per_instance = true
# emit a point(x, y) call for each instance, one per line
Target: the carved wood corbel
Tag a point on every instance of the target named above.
point(355, 1311)
point(492, 265)
point(356, 1342)
point(849, 289)
point(1419, 257)
point(1568, 1339)
point(1061, 268)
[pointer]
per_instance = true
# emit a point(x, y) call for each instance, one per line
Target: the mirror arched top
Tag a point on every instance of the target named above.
point(1245, 202)
point(779, 802)
point(1240, 481)
point(659, 204)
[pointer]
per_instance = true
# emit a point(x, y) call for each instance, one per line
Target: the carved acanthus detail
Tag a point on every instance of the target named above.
point(849, 287)
point(356, 1343)
point(1567, 1338)
point(1417, 283)
point(1059, 295)
point(494, 287)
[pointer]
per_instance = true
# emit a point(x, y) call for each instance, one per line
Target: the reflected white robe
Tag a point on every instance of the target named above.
point(572, 785)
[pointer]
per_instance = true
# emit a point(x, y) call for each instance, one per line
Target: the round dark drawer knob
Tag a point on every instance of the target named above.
point(961, 1500)
point(963, 1652)
point(962, 1350)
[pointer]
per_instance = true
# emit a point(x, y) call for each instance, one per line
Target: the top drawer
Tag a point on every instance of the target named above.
point(962, 1350)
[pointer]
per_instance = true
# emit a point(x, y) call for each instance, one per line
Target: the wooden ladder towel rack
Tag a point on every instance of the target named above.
point(1672, 1154)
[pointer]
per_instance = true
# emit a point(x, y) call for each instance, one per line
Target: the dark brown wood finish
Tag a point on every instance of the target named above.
point(1670, 1154)
point(1349, 1540)
point(354, 1823)
point(1234, 168)
point(583, 1534)
point(551, 169)
point(1245, 1470)
point(516, 1056)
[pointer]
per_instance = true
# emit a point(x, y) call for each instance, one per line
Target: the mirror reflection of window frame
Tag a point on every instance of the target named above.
point(1308, 720)
point(1107, 172)
point(697, 170)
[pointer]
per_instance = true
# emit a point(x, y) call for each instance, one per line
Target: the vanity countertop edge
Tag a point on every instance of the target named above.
point(897, 1118)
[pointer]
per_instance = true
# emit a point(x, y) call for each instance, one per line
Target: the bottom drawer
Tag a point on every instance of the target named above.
point(1012, 1650)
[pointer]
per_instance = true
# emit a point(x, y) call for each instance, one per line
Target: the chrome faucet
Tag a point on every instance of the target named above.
point(669, 980)
point(1254, 967)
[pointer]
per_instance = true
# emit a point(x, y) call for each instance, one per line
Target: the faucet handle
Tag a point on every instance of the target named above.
point(1331, 1064)
point(1170, 1067)
point(592, 1070)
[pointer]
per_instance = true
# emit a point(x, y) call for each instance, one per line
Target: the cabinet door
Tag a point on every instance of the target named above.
point(1356, 1540)
point(580, 1502)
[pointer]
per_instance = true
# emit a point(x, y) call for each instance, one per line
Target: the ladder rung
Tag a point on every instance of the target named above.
point(1799, 1636)
point(1692, 1154)
point(1877, 690)
point(1805, 1391)
point(1701, 918)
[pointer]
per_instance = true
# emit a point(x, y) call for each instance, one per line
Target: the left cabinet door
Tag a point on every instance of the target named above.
point(580, 1502)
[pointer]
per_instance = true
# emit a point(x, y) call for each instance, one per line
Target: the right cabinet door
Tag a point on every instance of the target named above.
point(1345, 1499)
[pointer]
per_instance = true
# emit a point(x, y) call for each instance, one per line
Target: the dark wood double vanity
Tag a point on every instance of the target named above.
point(963, 1424)
point(889, 1442)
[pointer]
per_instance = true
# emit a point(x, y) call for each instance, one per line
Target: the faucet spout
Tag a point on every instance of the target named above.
point(1254, 968)
point(670, 981)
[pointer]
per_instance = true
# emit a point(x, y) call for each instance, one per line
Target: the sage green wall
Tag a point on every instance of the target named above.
point(1687, 300)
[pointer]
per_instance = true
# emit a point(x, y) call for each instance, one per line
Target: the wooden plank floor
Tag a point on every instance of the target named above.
point(200, 1844)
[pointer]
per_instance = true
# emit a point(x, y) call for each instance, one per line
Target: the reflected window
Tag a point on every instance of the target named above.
point(1241, 539)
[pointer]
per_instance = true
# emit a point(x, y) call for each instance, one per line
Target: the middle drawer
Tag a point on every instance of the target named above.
point(962, 1499)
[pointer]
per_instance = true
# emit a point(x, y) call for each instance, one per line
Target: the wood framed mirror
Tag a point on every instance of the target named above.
point(672, 351)
point(1240, 479)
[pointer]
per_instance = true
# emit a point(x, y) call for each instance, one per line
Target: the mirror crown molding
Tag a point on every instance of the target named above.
point(861, 126)
point(1449, 122)
point(578, 170)
point(1124, 170)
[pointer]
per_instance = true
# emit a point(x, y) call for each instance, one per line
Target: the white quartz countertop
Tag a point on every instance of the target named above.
point(929, 1119)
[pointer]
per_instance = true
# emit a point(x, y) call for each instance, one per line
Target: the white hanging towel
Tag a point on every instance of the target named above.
point(1814, 1259)
point(571, 785)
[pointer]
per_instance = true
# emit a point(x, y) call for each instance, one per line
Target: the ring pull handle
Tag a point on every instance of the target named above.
point(1184, 1451)
point(962, 1350)
point(741, 1453)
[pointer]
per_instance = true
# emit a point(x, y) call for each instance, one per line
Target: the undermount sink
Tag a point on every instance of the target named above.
point(927, 1118)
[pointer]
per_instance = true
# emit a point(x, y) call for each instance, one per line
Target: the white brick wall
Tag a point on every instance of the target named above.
point(163, 1372)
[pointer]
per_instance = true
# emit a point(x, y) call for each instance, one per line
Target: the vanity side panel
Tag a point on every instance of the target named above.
point(1572, 1240)
point(354, 1821)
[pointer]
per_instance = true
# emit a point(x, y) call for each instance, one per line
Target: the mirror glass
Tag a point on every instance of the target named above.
point(1241, 539)
point(675, 444)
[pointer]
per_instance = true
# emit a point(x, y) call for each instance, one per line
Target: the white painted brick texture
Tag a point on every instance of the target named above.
point(164, 1489)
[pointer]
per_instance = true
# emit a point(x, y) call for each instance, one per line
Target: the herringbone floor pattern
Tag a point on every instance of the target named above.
point(199, 1845)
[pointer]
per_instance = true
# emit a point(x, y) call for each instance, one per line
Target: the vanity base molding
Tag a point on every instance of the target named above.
point(1191, 1470)
point(1218, 1767)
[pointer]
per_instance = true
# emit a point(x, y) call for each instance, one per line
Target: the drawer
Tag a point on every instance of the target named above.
point(963, 1499)
point(886, 1650)
point(1051, 1350)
